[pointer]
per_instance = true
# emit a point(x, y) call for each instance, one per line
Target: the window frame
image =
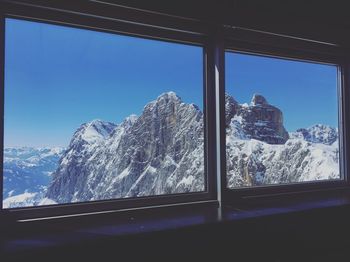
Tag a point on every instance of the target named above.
point(197, 36)
point(215, 39)
point(263, 44)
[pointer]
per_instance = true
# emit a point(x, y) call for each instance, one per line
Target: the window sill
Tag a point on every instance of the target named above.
point(174, 225)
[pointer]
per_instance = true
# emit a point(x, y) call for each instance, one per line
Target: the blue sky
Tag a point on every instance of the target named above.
point(305, 92)
point(57, 78)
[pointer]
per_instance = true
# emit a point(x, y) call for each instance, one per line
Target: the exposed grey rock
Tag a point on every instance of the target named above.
point(231, 108)
point(273, 157)
point(259, 120)
point(160, 152)
point(258, 100)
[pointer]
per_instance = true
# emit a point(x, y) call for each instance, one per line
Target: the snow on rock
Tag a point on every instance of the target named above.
point(307, 155)
point(146, 155)
point(94, 131)
point(27, 199)
point(21, 200)
point(46, 201)
point(317, 134)
point(162, 152)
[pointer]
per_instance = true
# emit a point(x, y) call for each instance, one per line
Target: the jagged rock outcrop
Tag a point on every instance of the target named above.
point(273, 156)
point(162, 152)
point(159, 152)
point(259, 120)
point(231, 108)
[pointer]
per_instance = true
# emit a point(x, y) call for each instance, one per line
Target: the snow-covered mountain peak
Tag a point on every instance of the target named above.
point(258, 99)
point(94, 131)
point(318, 133)
point(161, 151)
point(158, 152)
point(131, 118)
point(129, 121)
point(169, 95)
point(165, 102)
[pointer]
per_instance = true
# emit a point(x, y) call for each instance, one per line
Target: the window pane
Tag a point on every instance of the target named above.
point(93, 116)
point(281, 121)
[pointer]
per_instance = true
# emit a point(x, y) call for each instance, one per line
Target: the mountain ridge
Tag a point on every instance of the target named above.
point(162, 138)
point(161, 151)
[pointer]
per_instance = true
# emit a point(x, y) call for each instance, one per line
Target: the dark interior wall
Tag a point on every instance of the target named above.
point(327, 21)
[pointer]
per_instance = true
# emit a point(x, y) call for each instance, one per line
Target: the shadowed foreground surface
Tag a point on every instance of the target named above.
point(311, 231)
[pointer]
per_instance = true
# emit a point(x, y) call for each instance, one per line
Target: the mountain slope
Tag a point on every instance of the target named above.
point(159, 152)
point(309, 154)
point(162, 152)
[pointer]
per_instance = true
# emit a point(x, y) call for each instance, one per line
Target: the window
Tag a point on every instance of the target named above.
point(281, 120)
point(108, 107)
point(97, 116)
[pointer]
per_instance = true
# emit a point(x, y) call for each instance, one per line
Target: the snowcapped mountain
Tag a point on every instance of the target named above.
point(159, 152)
point(28, 169)
point(274, 157)
point(317, 134)
point(162, 152)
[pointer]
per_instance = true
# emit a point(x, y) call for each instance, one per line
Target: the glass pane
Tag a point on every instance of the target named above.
point(93, 116)
point(281, 121)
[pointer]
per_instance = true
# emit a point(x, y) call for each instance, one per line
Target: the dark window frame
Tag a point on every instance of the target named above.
point(263, 44)
point(215, 39)
point(151, 30)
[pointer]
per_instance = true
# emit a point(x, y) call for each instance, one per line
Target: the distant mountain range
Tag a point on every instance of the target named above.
point(162, 152)
point(27, 172)
point(28, 169)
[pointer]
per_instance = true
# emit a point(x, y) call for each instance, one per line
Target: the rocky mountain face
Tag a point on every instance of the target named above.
point(159, 152)
point(259, 151)
point(162, 152)
point(259, 120)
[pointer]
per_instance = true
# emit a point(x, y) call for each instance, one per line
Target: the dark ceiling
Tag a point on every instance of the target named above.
point(320, 20)
point(323, 20)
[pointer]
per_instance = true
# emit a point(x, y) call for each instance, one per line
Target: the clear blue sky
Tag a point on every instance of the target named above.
point(57, 78)
point(305, 92)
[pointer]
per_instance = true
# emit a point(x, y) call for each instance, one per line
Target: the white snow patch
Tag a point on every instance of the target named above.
point(47, 201)
point(187, 181)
